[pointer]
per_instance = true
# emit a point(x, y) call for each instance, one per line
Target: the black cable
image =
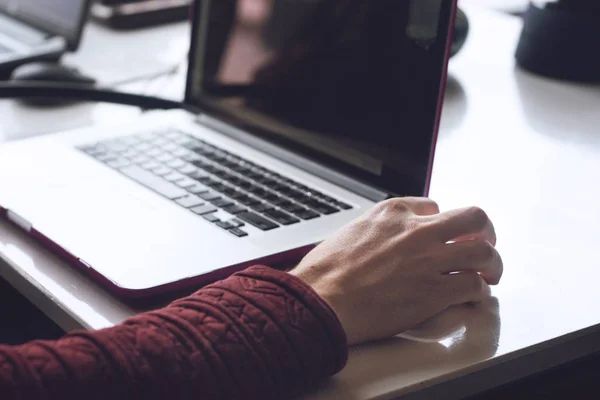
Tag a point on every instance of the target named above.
point(82, 92)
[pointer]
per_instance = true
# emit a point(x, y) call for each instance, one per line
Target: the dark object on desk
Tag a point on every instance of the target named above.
point(562, 40)
point(132, 14)
point(461, 32)
point(49, 72)
point(39, 30)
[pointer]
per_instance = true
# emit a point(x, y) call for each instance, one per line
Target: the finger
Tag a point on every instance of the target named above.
point(466, 223)
point(421, 205)
point(466, 287)
point(477, 256)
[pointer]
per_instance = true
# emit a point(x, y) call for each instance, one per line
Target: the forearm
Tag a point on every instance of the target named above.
point(261, 333)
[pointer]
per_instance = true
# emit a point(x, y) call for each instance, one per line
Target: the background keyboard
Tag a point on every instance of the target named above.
point(204, 178)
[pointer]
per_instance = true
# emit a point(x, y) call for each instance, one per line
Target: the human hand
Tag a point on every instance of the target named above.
point(401, 263)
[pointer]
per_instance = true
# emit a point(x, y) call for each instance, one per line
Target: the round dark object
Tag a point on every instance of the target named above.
point(461, 32)
point(561, 42)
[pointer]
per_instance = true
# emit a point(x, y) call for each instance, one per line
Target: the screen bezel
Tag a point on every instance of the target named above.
point(447, 21)
point(72, 38)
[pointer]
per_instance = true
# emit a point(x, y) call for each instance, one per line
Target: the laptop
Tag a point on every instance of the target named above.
point(301, 116)
point(33, 30)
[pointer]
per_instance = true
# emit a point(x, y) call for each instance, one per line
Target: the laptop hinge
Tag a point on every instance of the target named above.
point(294, 159)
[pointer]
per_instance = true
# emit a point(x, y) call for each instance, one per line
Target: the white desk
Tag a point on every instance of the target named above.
point(524, 148)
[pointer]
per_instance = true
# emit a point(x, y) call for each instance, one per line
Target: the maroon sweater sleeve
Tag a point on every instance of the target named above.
point(260, 334)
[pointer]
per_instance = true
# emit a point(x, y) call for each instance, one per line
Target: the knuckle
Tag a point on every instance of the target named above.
point(478, 216)
point(393, 206)
point(475, 284)
point(433, 204)
point(484, 250)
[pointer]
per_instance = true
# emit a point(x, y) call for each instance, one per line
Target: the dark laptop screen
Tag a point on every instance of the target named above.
point(59, 17)
point(352, 84)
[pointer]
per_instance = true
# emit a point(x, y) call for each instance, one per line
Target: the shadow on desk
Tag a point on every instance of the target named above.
point(560, 110)
point(456, 106)
point(455, 339)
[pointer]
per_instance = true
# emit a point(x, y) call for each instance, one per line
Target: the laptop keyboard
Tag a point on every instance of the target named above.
point(204, 178)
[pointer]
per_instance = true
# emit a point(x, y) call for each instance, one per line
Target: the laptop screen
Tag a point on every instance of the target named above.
point(59, 17)
point(351, 84)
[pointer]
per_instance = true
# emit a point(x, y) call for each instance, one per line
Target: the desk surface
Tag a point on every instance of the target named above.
point(524, 148)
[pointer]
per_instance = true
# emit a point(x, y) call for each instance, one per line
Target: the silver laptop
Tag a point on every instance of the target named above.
point(301, 116)
point(39, 29)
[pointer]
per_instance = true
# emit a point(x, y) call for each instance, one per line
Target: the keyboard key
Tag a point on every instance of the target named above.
point(175, 163)
point(197, 189)
point(224, 225)
point(140, 159)
point(164, 157)
point(160, 142)
point(162, 170)
point(190, 201)
point(153, 182)
point(231, 192)
point(187, 169)
point(244, 184)
point(205, 209)
point(281, 217)
point(247, 200)
point(106, 156)
point(117, 147)
point(170, 147)
point(211, 217)
point(261, 207)
point(219, 187)
point(257, 191)
point(150, 165)
point(324, 197)
point(185, 183)
point(238, 232)
point(220, 202)
point(238, 195)
point(341, 205)
point(210, 182)
point(130, 153)
point(190, 157)
point(321, 207)
point(209, 196)
point(292, 193)
point(280, 202)
point(118, 162)
point(236, 223)
point(180, 152)
point(154, 152)
point(198, 175)
point(290, 207)
point(272, 197)
point(306, 214)
point(257, 221)
point(234, 209)
point(143, 146)
point(174, 177)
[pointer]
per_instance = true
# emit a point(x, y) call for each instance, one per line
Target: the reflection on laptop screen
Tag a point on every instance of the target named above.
point(353, 84)
point(59, 17)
